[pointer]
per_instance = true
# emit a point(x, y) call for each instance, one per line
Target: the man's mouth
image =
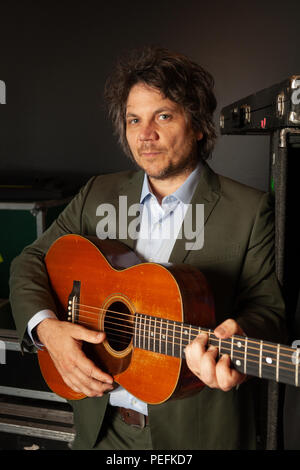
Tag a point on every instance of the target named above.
point(149, 152)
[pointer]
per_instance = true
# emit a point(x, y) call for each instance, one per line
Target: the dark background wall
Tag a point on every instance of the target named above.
point(55, 57)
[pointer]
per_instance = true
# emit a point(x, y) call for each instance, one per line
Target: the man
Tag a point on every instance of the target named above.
point(162, 106)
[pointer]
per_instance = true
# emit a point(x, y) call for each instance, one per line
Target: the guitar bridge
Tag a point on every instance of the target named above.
point(73, 302)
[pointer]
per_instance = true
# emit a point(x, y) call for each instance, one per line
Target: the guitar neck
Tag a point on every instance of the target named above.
point(250, 356)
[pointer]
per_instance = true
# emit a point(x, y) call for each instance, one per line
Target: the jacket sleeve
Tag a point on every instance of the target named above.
point(260, 308)
point(29, 286)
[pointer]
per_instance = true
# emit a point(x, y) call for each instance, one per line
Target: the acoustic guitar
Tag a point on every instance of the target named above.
point(150, 312)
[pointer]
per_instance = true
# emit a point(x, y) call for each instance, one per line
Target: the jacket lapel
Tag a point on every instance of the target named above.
point(127, 207)
point(208, 194)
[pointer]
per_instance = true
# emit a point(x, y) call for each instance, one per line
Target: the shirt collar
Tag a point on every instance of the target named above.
point(184, 193)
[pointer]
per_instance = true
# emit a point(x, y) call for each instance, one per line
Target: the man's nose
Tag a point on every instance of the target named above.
point(148, 132)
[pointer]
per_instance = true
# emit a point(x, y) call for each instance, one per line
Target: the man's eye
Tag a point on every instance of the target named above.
point(132, 121)
point(164, 117)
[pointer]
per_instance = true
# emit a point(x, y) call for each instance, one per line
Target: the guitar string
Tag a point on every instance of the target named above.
point(224, 341)
point(241, 356)
point(215, 340)
point(152, 338)
point(240, 338)
point(196, 329)
point(229, 341)
point(193, 327)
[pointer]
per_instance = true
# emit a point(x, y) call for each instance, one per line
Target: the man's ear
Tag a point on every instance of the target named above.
point(199, 135)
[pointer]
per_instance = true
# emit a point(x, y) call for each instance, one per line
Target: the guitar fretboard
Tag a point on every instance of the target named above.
point(250, 356)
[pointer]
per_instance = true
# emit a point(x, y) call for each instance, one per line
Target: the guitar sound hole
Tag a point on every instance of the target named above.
point(118, 326)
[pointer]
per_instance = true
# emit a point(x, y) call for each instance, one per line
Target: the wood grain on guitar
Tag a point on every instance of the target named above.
point(103, 285)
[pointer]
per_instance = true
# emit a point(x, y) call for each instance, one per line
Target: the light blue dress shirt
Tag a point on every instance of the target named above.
point(160, 225)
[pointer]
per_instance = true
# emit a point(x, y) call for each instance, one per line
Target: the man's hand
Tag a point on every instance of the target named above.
point(203, 361)
point(63, 341)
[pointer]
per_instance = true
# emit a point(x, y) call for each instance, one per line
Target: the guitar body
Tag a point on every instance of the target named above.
point(111, 286)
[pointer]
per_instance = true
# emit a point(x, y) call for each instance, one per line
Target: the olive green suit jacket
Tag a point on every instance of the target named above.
point(238, 261)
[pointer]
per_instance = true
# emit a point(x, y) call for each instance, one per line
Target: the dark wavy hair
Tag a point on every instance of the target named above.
point(177, 78)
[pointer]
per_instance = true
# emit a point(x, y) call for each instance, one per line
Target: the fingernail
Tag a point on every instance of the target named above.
point(203, 336)
point(220, 331)
point(225, 357)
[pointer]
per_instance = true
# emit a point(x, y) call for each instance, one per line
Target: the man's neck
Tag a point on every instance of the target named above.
point(165, 187)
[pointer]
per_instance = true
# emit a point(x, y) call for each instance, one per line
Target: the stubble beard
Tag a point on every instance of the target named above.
point(184, 165)
point(171, 170)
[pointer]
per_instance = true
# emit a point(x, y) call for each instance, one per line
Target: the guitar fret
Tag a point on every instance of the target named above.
point(135, 329)
point(159, 349)
point(142, 331)
point(180, 344)
point(167, 337)
point(164, 336)
point(186, 336)
point(176, 338)
point(173, 339)
point(239, 346)
point(277, 362)
point(297, 367)
point(153, 336)
point(138, 331)
point(149, 335)
point(270, 361)
point(140, 336)
point(144, 338)
point(245, 356)
point(260, 358)
point(137, 336)
point(231, 349)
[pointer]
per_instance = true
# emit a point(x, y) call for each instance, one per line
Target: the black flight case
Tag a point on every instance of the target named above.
point(32, 417)
point(275, 111)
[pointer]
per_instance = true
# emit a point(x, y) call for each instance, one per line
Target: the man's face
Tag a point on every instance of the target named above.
point(159, 133)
